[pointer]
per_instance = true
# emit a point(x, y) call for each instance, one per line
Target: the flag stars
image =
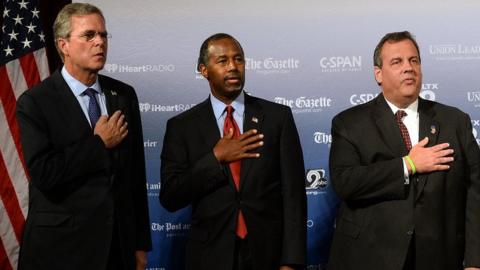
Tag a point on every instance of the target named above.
point(5, 12)
point(41, 36)
point(31, 28)
point(26, 43)
point(23, 4)
point(13, 35)
point(8, 51)
point(35, 13)
point(18, 20)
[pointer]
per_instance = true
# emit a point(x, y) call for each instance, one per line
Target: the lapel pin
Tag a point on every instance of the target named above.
point(433, 129)
point(113, 92)
point(255, 120)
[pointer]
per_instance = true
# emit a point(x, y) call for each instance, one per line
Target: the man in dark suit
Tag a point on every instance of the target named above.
point(404, 207)
point(247, 191)
point(88, 205)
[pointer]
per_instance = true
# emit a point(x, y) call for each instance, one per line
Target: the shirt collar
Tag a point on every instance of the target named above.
point(412, 109)
point(78, 87)
point(219, 107)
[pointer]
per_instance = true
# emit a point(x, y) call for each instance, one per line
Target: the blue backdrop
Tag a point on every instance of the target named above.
point(314, 56)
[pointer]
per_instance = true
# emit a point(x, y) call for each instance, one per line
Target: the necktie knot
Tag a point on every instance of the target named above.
point(400, 115)
point(229, 110)
point(90, 92)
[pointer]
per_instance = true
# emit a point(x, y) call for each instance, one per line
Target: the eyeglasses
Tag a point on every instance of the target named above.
point(90, 35)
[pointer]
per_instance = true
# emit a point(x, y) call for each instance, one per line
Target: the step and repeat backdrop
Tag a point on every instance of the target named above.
point(314, 56)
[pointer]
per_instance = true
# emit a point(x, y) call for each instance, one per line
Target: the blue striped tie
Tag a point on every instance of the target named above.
point(93, 108)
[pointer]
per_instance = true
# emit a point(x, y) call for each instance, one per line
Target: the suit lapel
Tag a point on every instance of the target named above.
point(208, 124)
point(68, 104)
point(112, 103)
point(430, 128)
point(111, 96)
point(253, 119)
point(388, 128)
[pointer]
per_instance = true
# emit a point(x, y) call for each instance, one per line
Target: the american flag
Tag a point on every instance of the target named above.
point(23, 63)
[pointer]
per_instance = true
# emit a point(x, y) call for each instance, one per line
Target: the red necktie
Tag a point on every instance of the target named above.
point(235, 166)
point(405, 136)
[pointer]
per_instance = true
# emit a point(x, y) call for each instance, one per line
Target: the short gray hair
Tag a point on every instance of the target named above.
point(62, 27)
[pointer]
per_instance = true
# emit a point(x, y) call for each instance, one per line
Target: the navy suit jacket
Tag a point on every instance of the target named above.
point(78, 188)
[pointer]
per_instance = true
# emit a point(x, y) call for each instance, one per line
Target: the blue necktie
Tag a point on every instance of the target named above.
point(93, 108)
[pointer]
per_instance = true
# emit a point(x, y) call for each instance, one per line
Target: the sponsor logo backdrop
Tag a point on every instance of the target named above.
point(313, 56)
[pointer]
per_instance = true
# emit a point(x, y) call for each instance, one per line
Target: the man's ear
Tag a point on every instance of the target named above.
point(203, 70)
point(378, 75)
point(62, 45)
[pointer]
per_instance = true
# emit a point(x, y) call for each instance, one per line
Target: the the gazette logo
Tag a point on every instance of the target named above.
point(341, 63)
point(272, 65)
point(315, 181)
point(322, 138)
point(305, 104)
point(455, 51)
point(149, 107)
point(113, 68)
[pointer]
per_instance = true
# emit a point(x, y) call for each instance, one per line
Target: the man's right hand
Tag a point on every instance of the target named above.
point(111, 130)
point(229, 149)
point(429, 159)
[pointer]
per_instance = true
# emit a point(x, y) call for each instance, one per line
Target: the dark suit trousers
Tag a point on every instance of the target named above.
point(410, 259)
point(242, 256)
point(115, 258)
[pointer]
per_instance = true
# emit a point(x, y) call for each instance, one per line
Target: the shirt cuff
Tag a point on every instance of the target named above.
point(405, 173)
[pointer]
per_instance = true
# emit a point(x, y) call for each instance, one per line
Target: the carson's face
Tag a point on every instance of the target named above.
point(400, 75)
point(225, 69)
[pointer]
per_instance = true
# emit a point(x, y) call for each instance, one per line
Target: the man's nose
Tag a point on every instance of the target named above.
point(232, 65)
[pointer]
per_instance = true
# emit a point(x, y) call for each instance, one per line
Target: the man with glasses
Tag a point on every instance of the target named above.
point(88, 204)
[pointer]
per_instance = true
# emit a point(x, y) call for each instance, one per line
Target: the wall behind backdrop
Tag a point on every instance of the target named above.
point(314, 56)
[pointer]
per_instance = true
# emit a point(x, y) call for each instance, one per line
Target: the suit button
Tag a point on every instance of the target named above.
point(409, 233)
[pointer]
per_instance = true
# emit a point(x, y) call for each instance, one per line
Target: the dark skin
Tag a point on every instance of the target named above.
point(225, 72)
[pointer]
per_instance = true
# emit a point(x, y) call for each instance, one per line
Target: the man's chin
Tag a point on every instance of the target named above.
point(97, 68)
point(234, 92)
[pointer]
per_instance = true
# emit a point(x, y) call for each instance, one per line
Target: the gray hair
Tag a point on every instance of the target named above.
point(62, 27)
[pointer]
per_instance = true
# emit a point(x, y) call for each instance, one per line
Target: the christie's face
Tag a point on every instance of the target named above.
point(400, 75)
point(225, 69)
point(84, 54)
